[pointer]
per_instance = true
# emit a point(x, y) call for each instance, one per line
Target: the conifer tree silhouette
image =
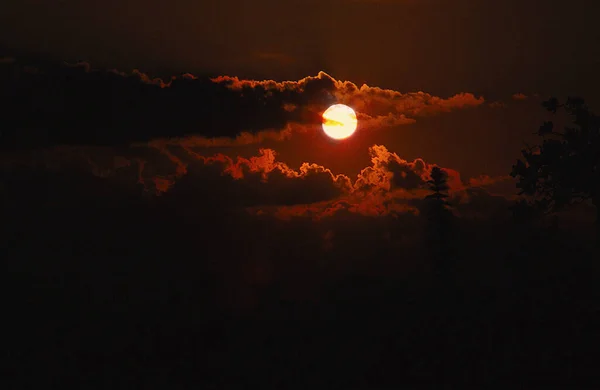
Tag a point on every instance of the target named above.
point(439, 217)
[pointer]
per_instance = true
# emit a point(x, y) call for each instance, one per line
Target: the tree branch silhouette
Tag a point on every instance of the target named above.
point(565, 168)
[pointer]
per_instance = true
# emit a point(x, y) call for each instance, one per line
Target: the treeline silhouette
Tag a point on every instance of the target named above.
point(106, 288)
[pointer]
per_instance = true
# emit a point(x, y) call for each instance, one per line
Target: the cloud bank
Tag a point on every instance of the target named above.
point(54, 104)
point(262, 185)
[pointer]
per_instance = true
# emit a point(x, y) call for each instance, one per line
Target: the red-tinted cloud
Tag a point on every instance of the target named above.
point(391, 106)
point(264, 186)
point(389, 186)
point(519, 96)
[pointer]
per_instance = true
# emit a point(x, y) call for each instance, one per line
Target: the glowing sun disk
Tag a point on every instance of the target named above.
point(339, 121)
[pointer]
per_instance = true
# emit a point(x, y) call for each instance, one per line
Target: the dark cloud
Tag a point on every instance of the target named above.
point(263, 185)
point(220, 181)
point(74, 104)
point(259, 185)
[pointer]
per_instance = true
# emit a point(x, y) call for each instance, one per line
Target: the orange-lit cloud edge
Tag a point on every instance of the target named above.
point(377, 189)
point(389, 186)
point(371, 192)
point(376, 108)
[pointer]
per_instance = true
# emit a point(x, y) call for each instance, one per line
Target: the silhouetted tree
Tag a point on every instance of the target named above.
point(565, 168)
point(439, 217)
point(438, 184)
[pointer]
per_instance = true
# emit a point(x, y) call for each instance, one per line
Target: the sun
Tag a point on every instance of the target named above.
point(339, 121)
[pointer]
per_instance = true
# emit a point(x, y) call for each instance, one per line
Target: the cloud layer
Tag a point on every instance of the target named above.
point(54, 104)
point(261, 184)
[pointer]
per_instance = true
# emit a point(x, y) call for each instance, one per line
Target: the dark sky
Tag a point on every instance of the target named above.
point(457, 84)
point(492, 48)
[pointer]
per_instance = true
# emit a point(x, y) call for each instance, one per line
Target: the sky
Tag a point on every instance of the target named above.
point(163, 86)
point(438, 46)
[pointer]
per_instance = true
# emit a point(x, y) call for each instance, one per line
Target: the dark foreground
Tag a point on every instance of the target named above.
point(124, 294)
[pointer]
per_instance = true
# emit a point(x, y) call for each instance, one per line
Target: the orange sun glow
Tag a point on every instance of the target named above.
point(339, 121)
